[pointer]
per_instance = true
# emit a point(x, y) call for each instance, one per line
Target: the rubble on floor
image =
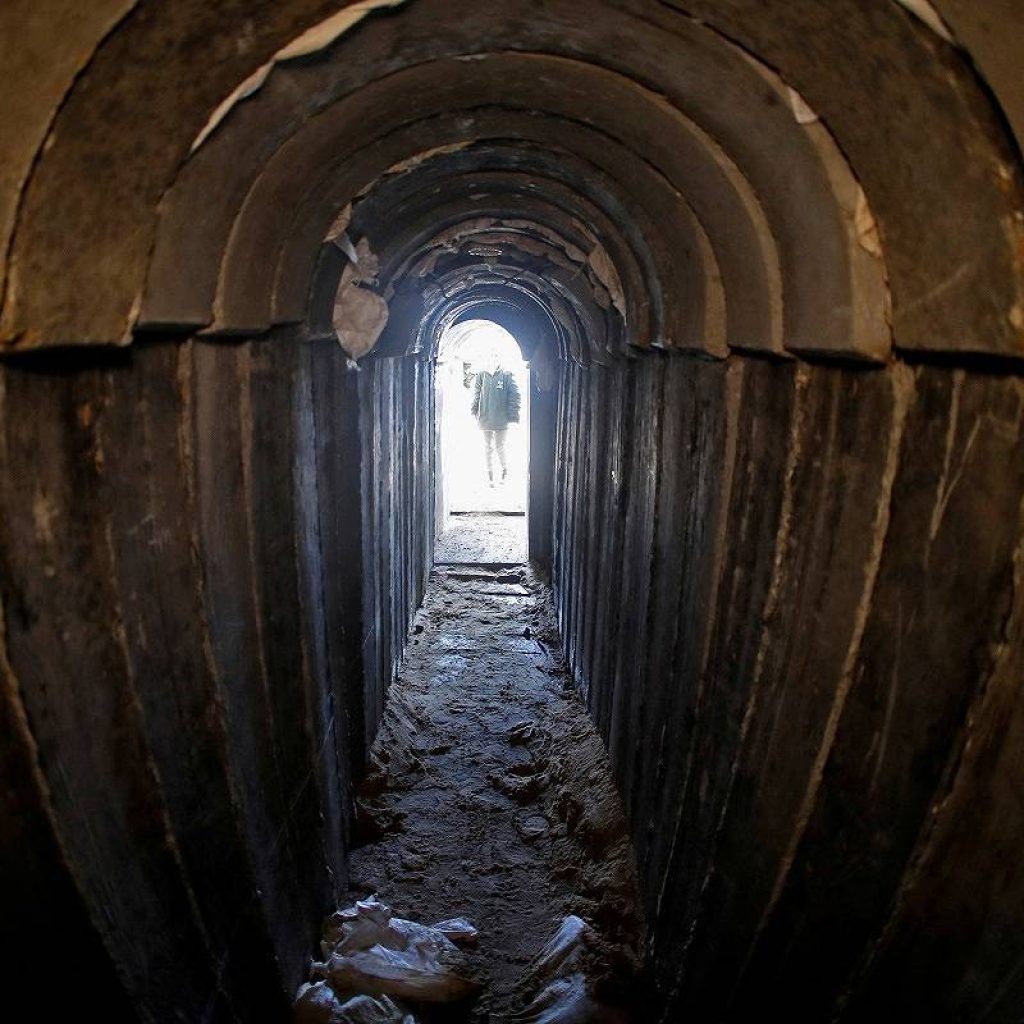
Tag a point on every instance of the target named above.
point(375, 964)
point(495, 539)
point(489, 797)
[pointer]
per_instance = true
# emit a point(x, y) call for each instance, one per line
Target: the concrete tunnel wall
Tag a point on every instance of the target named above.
point(772, 293)
point(199, 628)
point(801, 689)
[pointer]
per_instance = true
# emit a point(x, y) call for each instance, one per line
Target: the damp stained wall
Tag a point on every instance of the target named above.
point(790, 595)
point(189, 681)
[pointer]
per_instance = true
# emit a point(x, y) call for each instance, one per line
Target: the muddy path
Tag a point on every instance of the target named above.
point(489, 794)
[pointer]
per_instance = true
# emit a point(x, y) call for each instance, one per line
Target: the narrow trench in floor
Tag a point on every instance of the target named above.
point(489, 797)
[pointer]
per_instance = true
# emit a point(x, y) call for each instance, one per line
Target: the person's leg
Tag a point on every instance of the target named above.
point(499, 443)
point(489, 453)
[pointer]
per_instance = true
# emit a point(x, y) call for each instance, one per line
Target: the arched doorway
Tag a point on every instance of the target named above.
point(482, 465)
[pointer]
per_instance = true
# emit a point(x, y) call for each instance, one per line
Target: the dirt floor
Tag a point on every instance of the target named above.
point(490, 796)
point(478, 537)
point(476, 494)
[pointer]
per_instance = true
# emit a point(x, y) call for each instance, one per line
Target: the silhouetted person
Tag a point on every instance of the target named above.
point(495, 406)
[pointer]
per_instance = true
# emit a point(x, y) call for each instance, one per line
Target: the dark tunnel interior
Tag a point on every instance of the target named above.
point(766, 263)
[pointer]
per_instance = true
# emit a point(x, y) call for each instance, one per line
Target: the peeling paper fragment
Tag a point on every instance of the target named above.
point(320, 36)
point(313, 39)
point(802, 110)
point(927, 14)
point(340, 224)
point(553, 237)
point(866, 226)
point(366, 264)
point(418, 158)
point(360, 315)
point(602, 265)
point(344, 243)
point(338, 234)
point(252, 84)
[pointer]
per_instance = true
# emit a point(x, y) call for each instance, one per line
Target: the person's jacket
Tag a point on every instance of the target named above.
point(495, 399)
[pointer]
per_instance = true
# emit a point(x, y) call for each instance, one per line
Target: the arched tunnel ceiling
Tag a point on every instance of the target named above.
point(723, 188)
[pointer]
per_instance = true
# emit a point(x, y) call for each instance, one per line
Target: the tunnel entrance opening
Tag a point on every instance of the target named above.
point(482, 424)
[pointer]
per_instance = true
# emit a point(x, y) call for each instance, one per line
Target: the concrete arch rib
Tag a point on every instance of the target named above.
point(722, 201)
point(819, 313)
point(581, 223)
point(143, 96)
point(276, 227)
point(494, 235)
point(578, 203)
point(922, 137)
point(456, 175)
point(676, 280)
point(566, 177)
point(272, 201)
point(542, 333)
point(934, 258)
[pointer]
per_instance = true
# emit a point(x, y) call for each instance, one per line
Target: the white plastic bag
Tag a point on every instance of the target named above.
point(319, 1004)
point(565, 993)
point(365, 1010)
point(368, 952)
point(458, 930)
point(424, 972)
point(315, 1004)
point(568, 1001)
point(357, 927)
point(559, 956)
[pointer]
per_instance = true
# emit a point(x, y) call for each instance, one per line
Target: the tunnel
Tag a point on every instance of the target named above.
point(766, 263)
